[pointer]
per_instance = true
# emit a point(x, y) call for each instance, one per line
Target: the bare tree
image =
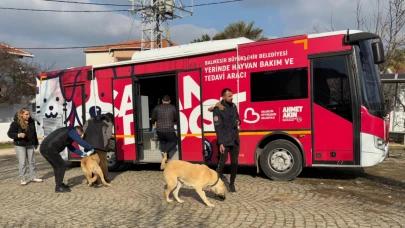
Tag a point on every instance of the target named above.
point(17, 77)
point(388, 21)
point(316, 27)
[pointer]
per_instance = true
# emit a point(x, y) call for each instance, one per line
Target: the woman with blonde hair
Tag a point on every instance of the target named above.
point(23, 131)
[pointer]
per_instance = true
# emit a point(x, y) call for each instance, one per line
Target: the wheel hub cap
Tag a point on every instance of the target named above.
point(111, 158)
point(281, 160)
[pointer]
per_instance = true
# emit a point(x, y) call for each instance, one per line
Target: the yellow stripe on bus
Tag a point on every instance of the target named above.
point(253, 133)
point(124, 136)
point(246, 133)
point(118, 136)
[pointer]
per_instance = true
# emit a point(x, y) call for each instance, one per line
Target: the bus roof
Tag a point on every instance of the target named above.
point(200, 48)
point(181, 51)
point(333, 33)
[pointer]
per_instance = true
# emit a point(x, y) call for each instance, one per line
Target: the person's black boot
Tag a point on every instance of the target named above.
point(232, 187)
point(65, 186)
point(62, 189)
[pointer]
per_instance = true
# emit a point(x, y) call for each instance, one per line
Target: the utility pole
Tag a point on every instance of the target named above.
point(169, 42)
point(132, 10)
point(154, 14)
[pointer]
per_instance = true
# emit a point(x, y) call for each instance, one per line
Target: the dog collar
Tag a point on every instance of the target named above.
point(216, 182)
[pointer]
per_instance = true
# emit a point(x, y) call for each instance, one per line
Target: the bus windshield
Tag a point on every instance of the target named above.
point(371, 89)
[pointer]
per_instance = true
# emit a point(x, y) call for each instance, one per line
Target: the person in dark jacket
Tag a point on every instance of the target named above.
point(165, 115)
point(55, 143)
point(98, 132)
point(22, 131)
point(226, 123)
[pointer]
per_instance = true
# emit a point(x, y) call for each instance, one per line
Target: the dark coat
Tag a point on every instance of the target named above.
point(30, 134)
point(98, 131)
point(57, 140)
point(226, 122)
point(165, 115)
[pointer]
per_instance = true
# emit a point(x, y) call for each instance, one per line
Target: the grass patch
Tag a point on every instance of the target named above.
point(6, 145)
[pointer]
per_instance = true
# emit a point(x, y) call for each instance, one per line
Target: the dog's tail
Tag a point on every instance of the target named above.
point(164, 160)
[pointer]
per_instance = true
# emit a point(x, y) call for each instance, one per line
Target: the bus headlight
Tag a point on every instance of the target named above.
point(379, 143)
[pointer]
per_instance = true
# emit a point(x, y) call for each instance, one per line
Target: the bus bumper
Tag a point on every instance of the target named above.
point(370, 154)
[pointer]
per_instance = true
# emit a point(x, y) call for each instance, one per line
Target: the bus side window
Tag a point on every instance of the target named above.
point(331, 85)
point(278, 85)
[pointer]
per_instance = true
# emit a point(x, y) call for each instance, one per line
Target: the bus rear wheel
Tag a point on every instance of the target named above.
point(113, 164)
point(281, 160)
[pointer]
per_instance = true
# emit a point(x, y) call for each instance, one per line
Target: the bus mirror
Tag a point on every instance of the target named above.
point(378, 52)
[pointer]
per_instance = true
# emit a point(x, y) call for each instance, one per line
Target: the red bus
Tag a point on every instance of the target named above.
point(304, 101)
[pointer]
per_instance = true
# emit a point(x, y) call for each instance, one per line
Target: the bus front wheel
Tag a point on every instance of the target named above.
point(281, 160)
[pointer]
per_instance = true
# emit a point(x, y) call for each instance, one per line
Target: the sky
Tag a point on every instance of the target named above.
point(278, 18)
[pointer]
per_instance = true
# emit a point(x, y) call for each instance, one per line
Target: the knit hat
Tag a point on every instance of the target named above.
point(110, 116)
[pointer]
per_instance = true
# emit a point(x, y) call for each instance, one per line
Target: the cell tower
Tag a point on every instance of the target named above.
point(155, 14)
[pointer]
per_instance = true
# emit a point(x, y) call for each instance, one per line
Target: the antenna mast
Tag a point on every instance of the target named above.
point(155, 14)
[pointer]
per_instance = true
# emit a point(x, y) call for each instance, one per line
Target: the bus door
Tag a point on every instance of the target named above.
point(75, 95)
point(124, 126)
point(334, 115)
point(149, 91)
point(190, 115)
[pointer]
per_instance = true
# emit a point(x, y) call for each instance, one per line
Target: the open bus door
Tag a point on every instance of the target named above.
point(190, 115)
point(74, 94)
point(124, 127)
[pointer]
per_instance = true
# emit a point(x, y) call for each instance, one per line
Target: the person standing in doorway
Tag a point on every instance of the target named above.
point(55, 143)
point(165, 115)
point(23, 131)
point(98, 132)
point(226, 123)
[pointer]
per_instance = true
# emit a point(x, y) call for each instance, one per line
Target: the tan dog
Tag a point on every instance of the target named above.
point(193, 175)
point(90, 165)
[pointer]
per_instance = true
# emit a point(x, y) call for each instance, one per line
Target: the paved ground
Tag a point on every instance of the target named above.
point(373, 197)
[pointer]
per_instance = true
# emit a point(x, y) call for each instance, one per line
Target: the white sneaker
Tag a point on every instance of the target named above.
point(37, 180)
point(23, 182)
point(89, 153)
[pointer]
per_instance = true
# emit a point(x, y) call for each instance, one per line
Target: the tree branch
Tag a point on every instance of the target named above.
point(16, 75)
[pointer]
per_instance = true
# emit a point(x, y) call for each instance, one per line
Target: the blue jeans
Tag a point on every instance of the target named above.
point(25, 153)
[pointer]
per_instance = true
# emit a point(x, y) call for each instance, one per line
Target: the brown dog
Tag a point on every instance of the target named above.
point(193, 175)
point(90, 165)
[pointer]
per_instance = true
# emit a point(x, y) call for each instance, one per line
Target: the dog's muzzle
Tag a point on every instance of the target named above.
point(222, 198)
